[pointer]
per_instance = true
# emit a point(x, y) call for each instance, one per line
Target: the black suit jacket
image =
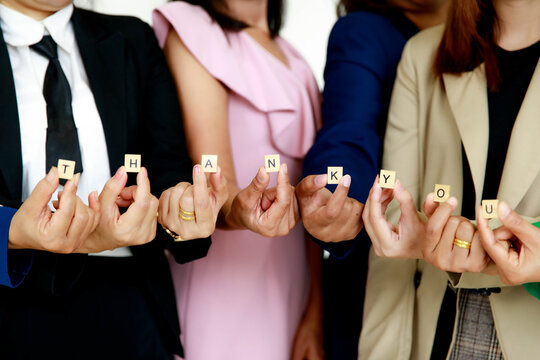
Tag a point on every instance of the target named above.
point(138, 105)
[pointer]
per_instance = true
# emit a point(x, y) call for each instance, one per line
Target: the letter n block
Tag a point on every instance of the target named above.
point(209, 163)
point(132, 163)
point(66, 168)
point(387, 179)
point(271, 163)
point(441, 193)
point(490, 209)
point(335, 173)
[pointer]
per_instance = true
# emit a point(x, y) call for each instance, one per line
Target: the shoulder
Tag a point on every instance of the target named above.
point(136, 32)
point(421, 49)
point(187, 20)
point(362, 21)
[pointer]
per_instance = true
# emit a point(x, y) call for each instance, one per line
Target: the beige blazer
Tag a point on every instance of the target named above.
point(428, 121)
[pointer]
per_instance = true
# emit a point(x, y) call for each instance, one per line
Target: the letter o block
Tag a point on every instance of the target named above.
point(441, 193)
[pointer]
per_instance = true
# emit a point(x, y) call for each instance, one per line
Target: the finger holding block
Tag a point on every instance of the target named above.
point(441, 193)
point(271, 163)
point(132, 163)
point(387, 179)
point(490, 209)
point(209, 163)
point(66, 168)
point(335, 173)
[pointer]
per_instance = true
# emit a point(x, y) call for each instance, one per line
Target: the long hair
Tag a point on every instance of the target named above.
point(470, 39)
point(347, 6)
point(275, 15)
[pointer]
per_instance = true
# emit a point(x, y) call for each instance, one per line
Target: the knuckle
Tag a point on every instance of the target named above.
point(454, 221)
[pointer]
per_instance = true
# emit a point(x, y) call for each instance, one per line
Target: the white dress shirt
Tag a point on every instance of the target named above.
point(29, 67)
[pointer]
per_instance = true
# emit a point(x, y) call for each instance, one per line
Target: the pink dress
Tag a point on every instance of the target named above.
point(246, 298)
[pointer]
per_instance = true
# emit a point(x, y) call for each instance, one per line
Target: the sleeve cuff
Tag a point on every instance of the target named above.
point(339, 250)
point(14, 264)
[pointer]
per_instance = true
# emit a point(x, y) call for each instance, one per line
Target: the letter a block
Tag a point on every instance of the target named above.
point(335, 173)
point(271, 163)
point(490, 209)
point(209, 163)
point(387, 179)
point(441, 193)
point(132, 163)
point(66, 168)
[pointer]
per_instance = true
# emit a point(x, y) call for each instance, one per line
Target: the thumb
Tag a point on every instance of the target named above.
point(524, 231)
point(112, 189)
point(259, 183)
point(42, 193)
point(310, 185)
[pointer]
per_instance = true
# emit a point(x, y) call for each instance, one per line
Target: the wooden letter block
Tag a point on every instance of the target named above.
point(387, 179)
point(441, 193)
point(490, 209)
point(209, 163)
point(132, 163)
point(66, 169)
point(335, 173)
point(271, 163)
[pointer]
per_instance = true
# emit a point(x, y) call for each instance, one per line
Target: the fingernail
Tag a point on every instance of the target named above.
point(260, 175)
point(504, 209)
point(76, 179)
point(320, 179)
point(119, 173)
point(51, 175)
point(284, 167)
point(452, 201)
point(197, 170)
point(346, 180)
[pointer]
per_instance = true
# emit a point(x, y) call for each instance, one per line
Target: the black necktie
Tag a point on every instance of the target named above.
point(62, 140)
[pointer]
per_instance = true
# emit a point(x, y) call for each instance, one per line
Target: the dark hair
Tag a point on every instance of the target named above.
point(347, 6)
point(470, 39)
point(275, 15)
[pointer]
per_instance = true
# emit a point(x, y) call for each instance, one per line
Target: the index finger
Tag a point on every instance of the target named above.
point(201, 197)
point(436, 224)
point(498, 251)
point(337, 201)
point(310, 185)
point(61, 219)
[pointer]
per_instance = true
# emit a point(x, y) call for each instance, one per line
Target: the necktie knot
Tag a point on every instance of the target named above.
point(46, 47)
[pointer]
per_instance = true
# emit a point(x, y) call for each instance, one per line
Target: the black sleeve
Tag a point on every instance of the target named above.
point(165, 149)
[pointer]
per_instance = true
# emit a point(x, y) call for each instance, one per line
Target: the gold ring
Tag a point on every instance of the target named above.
point(187, 213)
point(462, 243)
point(174, 235)
point(187, 218)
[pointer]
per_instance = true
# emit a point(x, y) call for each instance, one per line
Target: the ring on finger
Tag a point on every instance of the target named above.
point(186, 215)
point(462, 243)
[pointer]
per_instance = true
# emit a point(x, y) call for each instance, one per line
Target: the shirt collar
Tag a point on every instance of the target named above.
point(21, 30)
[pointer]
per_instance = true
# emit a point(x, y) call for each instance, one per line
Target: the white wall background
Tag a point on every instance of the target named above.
point(307, 23)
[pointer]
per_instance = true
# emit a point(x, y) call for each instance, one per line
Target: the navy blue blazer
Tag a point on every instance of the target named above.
point(363, 53)
point(13, 266)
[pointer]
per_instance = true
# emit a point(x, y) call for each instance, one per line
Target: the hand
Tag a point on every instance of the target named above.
point(269, 212)
point(442, 229)
point(308, 343)
point(515, 247)
point(205, 202)
point(403, 241)
point(326, 216)
point(136, 226)
point(34, 226)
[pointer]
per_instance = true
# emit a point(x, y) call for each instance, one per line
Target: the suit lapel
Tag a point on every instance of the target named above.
point(467, 96)
point(10, 135)
point(103, 57)
point(522, 163)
